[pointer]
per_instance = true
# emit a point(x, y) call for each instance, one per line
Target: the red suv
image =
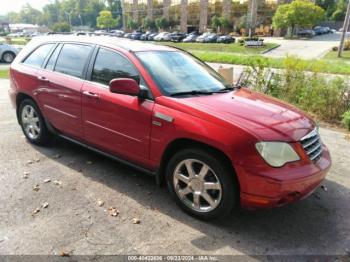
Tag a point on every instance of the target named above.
point(167, 113)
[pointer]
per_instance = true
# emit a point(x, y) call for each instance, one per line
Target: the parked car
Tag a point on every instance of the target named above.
point(320, 30)
point(164, 36)
point(144, 37)
point(211, 38)
point(167, 113)
point(307, 33)
point(152, 36)
point(201, 38)
point(127, 35)
point(136, 35)
point(117, 33)
point(177, 36)
point(226, 39)
point(7, 53)
point(190, 38)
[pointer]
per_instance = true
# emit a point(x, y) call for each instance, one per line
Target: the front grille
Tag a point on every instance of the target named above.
point(312, 145)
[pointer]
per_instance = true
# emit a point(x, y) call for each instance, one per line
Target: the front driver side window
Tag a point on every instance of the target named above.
point(110, 65)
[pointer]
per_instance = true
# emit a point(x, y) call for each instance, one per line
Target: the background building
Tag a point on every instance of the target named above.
point(189, 15)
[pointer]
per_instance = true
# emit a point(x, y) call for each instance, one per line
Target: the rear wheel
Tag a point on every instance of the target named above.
point(33, 123)
point(8, 57)
point(202, 184)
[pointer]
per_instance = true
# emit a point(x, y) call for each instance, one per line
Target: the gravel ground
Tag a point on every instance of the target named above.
point(74, 222)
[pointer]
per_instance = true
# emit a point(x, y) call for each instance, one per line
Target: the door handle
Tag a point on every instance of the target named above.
point(91, 94)
point(43, 78)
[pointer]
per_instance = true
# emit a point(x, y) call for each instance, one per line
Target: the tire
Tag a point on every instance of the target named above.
point(33, 123)
point(8, 57)
point(220, 184)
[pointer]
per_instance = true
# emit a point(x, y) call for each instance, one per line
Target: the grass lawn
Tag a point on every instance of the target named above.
point(227, 48)
point(4, 73)
point(240, 55)
point(333, 55)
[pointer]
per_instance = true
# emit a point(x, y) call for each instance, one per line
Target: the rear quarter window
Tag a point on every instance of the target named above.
point(38, 56)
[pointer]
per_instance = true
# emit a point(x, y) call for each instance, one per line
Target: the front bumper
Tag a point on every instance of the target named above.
point(283, 186)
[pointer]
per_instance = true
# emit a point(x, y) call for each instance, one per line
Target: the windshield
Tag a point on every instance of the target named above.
point(177, 72)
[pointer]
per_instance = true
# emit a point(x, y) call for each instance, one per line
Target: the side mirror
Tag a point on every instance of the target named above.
point(125, 86)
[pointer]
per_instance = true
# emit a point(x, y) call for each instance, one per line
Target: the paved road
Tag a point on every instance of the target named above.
point(4, 66)
point(73, 221)
point(313, 48)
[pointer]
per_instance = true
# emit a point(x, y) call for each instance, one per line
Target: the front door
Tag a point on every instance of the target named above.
point(119, 124)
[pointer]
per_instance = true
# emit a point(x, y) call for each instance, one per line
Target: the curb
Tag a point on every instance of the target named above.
point(268, 50)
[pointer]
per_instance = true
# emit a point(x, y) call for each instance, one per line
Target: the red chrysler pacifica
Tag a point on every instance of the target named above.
point(167, 113)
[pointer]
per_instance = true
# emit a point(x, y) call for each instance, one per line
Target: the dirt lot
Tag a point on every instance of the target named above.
point(74, 222)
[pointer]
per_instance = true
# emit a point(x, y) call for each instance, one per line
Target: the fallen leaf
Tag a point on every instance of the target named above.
point(37, 210)
point(57, 156)
point(100, 203)
point(48, 180)
point(112, 211)
point(64, 254)
point(30, 162)
point(36, 188)
point(45, 205)
point(25, 175)
point(136, 221)
point(89, 162)
point(37, 160)
point(324, 188)
point(57, 182)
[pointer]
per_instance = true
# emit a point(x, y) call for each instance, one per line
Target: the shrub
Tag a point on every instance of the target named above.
point(327, 98)
point(346, 119)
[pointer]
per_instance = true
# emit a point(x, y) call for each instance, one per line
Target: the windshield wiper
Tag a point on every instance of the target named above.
point(192, 92)
point(225, 90)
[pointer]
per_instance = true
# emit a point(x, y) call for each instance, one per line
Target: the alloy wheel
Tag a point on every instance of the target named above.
point(8, 57)
point(197, 185)
point(30, 121)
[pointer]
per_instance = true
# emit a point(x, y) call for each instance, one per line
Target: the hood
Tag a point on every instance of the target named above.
point(262, 116)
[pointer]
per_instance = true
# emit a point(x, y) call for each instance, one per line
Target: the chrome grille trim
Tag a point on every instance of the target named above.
point(312, 145)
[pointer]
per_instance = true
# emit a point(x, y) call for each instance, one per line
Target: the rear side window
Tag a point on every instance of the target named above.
point(51, 63)
point(72, 59)
point(110, 65)
point(37, 57)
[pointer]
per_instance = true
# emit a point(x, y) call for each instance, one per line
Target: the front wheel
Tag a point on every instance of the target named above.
point(202, 184)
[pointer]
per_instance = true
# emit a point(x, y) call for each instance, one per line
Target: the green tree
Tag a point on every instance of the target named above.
point(60, 27)
point(340, 11)
point(299, 13)
point(132, 24)
point(148, 24)
point(162, 23)
point(225, 24)
point(215, 22)
point(115, 6)
point(328, 5)
point(105, 20)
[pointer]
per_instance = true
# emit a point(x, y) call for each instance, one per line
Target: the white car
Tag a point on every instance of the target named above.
point(164, 36)
point(7, 53)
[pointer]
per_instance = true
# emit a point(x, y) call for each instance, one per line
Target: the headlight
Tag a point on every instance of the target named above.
point(276, 154)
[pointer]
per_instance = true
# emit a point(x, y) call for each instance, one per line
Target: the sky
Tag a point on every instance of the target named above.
point(15, 5)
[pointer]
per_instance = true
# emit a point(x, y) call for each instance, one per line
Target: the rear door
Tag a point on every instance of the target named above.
point(63, 76)
point(119, 124)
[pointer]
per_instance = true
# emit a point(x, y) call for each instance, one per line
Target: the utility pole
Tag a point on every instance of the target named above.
point(252, 14)
point(345, 30)
point(69, 20)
